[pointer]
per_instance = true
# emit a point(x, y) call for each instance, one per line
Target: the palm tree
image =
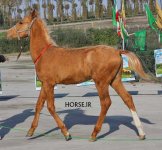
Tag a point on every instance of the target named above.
point(91, 3)
point(109, 8)
point(38, 5)
point(98, 9)
point(60, 7)
point(84, 10)
point(152, 5)
point(74, 14)
point(51, 7)
point(11, 4)
point(1, 17)
point(128, 8)
point(44, 6)
point(101, 9)
point(67, 6)
point(35, 6)
point(141, 6)
point(136, 7)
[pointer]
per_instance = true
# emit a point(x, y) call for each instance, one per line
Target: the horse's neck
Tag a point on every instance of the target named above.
point(39, 39)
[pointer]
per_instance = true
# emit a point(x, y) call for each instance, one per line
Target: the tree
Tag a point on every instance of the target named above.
point(67, 6)
point(38, 5)
point(84, 9)
point(1, 18)
point(9, 5)
point(128, 8)
point(152, 5)
point(141, 7)
point(74, 14)
point(51, 7)
point(98, 8)
point(91, 3)
point(60, 7)
point(35, 6)
point(109, 8)
point(136, 7)
point(44, 6)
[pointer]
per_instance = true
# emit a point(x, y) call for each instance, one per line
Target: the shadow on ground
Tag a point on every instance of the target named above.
point(78, 117)
point(8, 124)
point(6, 98)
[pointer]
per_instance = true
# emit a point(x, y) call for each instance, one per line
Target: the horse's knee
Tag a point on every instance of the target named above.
point(105, 105)
point(108, 103)
point(50, 109)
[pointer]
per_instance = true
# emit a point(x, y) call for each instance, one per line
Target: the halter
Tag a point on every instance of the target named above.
point(28, 29)
point(25, 30)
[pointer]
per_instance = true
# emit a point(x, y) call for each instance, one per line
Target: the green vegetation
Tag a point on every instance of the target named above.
point(159, 68)
point(12, 46)
point(2, 35)
point(78, 38)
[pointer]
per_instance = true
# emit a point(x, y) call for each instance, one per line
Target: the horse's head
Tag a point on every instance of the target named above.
point(23, 27)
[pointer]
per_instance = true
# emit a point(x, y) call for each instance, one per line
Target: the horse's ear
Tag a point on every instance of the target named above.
point(34, 13)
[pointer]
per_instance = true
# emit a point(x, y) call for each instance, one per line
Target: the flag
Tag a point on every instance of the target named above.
point(151, 19)
point(159, 15)
point(140, 40)
point(114, 10)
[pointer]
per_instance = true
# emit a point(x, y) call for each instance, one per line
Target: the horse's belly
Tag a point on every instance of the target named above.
point(74, 78)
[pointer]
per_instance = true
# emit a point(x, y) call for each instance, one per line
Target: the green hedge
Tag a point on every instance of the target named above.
point(70, 38)
point(78, 38)
point(12, 46)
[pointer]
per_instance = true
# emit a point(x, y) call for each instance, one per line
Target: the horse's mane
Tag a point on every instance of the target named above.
point(46, 31)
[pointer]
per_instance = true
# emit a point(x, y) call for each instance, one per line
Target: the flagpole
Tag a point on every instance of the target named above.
point(123, 44)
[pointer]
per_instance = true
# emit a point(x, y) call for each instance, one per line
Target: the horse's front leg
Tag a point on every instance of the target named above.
point(39, 106)
point(51, 108)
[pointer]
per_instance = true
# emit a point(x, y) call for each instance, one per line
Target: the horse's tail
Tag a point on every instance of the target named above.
point(136, 65)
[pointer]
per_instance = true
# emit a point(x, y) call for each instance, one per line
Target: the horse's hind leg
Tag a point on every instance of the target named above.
point(127, 98)
point(105, 103)
point(51, 108)
point(39, 106)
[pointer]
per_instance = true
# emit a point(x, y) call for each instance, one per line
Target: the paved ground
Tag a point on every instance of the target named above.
point(17, 108)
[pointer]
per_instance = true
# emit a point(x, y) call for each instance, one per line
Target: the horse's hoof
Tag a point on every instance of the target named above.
point(68, 137)
point(92, 139)
point(142, 137)
point(29, 134)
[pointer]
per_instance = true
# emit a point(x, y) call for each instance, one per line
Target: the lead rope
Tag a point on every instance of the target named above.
point(19, 53)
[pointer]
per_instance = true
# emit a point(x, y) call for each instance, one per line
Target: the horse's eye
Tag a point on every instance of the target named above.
point(20, 22)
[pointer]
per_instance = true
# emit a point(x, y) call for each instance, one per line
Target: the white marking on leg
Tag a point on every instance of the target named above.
point(137, 123)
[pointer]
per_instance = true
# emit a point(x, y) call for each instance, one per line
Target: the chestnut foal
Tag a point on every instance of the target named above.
point(56, 65)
